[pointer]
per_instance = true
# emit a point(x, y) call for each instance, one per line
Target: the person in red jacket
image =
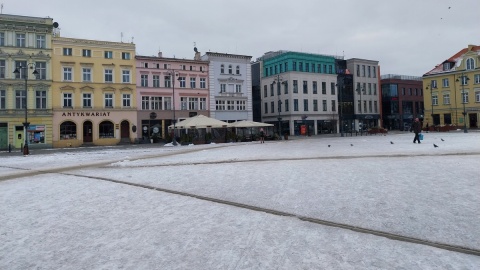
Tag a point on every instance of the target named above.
point(417, 128)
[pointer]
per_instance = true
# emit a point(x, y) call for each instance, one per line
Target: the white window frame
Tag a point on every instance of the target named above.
point(126, 100)
point(108, 73)
point(67, 100)
point(126, 75)
point(203, 83)
point(108, 100)
point(67, 74)
point(86, 74)
point(87, 98)
point(21, 41)
point(41, 42)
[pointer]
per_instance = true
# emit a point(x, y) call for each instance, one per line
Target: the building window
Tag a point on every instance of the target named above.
point(358, 70)
point(433, 84)
point(20, 99)
point(193, 103)
point(125, 55)
point(125, 76)
point(108, 75)
point(464, 80)
point(369, 72)
point(476, 78)
point(144, 80)
point(108, 54)
point(2, 69)
point(67, 100)
point(145, 103)
point(21, 40)
point(295, 105)
point(86, 53)
point(203, 83)
point(223, 88)
point(324, 88)
point(370, 106)
point(67, 74)
point(41, 68)
point(203, 104)
point(86, 74)
point(374, 72)
point(222, 69)
point(295, 86)
point(105, 130)
point(41, 41)
point(279, 105)
point(193, 83)
point(156, 81)
point(305, 105)
point(87, 100)
point(375, 106)
point(334, 107)
point(265, 107)
point(265, 91)
point(238, 88)
point(2, 39)
point(324, 105)
point(305, 87)
point(477, 96)
point(230, 70)
point(470, 64)
point(2, 99)
point(359, 106)
point(315, 105)
point(285, 87)
point(465, 96)
point(332, 88)
point(126, 100)
point(294, 66)
point(23, 72)
point(435, 100)
point(272, 107)
point(315, 87)
point(108, 100)
point(41, 99)
point(446, 98)
point(238, 70)
point(167, 82)
point(68, 130)
point(445, 82)
point(67, 51)
point(182, 82)
point(272, 91)
point(286, 105)
point(300, 66)
point(375, 89)
point(156, 103)
point(363, 70)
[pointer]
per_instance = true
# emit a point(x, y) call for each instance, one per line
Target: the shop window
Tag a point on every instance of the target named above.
point(68, 130)
point(106, 130)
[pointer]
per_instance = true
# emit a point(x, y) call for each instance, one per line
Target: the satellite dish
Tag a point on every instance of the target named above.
point(55, 25)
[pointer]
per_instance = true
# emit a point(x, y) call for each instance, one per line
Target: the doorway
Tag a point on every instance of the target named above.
point(473, 120)
point(125, 130)
point(87, 132)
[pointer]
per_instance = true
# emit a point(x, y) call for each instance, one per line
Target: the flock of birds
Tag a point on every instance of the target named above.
point(391, 142)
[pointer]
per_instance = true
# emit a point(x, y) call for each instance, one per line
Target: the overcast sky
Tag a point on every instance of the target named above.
point(407, 37)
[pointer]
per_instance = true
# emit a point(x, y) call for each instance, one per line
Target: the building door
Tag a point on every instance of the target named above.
point(87, 132)
point(3, 137)
point(473, 120)
point(125, 130)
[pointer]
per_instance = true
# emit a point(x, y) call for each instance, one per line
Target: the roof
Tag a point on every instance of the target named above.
point(453, 59)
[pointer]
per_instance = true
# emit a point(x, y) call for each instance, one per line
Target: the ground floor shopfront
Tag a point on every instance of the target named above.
point(38, 132)
point(73, 128)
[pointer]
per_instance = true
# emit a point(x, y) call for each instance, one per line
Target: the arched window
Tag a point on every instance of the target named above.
point(238, 70)
point(230, 71)
point(68, 130)
point(222, 69)
point(106, 130)
point(470, 63)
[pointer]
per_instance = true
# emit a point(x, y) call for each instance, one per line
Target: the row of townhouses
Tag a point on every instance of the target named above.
point(65, 92)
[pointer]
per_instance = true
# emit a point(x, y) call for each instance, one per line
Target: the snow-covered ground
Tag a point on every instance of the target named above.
point(73, 215)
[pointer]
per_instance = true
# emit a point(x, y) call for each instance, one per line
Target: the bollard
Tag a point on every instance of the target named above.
point(9, 148)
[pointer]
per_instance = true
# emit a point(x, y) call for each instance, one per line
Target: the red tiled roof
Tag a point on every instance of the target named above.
point(454, 58)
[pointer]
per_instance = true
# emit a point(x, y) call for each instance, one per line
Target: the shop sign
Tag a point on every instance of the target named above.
point(87, 114)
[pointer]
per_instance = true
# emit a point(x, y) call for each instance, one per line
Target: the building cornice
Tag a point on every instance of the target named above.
point(92, 43)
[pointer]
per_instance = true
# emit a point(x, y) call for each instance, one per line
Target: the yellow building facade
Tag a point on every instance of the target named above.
point(452, 91)
point(25, 98)
point(94, 101)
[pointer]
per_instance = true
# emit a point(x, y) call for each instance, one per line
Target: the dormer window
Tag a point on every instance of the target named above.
point(446, 66)
point(470, 64)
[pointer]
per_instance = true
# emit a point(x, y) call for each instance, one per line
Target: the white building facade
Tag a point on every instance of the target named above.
point(230, 85)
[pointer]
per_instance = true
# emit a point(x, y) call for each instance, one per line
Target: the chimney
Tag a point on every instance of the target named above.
point(160, 54)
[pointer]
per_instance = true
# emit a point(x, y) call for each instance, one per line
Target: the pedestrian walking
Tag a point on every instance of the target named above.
point(262, 135)
point(417, 128)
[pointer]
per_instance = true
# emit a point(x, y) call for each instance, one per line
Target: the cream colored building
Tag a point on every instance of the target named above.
point(452, 91)
point(93, 87)
point(25, 43)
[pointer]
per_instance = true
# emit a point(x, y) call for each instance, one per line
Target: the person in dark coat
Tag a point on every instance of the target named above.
point(417, 128)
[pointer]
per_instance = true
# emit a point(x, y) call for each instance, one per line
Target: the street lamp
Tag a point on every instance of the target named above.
point(278, 81)
point(172, 76)
point(359, 90)
point(340, 104)
point(432, 87)
point(464, 81)
point(26, 123)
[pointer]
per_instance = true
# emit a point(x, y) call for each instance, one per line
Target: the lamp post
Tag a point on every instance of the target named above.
point(359, 89)
point(26, 123)
point(464, 80)
point(340, 104)
point(172, 76)
point(432, 87)
point(278, 81)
